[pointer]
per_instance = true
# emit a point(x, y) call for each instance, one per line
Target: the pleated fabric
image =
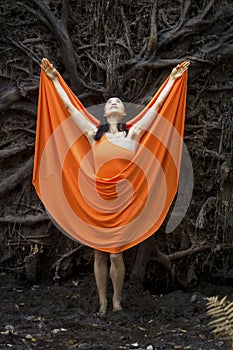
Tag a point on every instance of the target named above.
point(107, 196)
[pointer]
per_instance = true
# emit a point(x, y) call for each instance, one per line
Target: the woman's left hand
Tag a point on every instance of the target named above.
point(179, 70)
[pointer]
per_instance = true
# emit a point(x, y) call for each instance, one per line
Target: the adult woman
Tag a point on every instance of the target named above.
point(115, 132)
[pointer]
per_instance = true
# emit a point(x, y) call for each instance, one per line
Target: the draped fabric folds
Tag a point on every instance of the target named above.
point(107, 196)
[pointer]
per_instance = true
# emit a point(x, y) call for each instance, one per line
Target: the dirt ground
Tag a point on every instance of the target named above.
point(59, 317)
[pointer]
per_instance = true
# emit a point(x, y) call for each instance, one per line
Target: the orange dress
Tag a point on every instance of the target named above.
point(109, 196)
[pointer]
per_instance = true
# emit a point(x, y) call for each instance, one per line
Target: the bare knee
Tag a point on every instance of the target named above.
point(116, 260)
point(100, 257)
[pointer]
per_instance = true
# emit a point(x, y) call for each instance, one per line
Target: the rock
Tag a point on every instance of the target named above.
point(150, 347)
point(193, 298)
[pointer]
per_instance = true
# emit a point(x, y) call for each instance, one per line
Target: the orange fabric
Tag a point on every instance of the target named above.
point(106, 196)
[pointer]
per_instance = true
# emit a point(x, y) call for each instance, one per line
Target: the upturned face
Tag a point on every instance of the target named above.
point(114, 107)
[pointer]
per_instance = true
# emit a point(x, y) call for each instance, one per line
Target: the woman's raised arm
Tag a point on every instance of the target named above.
point(149, 116)
point(86, 127)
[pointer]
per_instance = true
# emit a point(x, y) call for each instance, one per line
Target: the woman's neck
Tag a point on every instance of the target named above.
point(113, 129)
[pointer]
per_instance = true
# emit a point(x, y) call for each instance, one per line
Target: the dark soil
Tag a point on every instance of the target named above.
point(59, 317)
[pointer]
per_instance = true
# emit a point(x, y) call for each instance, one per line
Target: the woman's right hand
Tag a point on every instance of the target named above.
point(48, 68)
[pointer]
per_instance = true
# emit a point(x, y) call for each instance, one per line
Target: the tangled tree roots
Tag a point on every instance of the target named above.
point(127, 49)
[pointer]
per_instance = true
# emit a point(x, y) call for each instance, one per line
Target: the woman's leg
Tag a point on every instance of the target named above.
point(101, 274)
point(117, 273)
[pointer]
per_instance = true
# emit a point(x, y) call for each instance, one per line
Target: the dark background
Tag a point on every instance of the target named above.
point(122, 48)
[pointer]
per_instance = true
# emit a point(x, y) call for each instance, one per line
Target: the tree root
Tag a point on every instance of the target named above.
point(166, 260)
point(69, 59)
point(9, 96)
point(153, 38)
point(25, 107)
point(57, 265)
point(12, 181)
point(12, 151)
point(12, 95)
point(206, 207)
point(29, 220)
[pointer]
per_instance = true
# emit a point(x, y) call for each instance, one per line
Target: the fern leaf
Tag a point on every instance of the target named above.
point(229, 306)
point(218, 321)
point(223, 328)
point(221, 312)
point(215, 311)
point(222, 301)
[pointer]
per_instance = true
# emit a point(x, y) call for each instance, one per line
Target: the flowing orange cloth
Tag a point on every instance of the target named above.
point(107, 196)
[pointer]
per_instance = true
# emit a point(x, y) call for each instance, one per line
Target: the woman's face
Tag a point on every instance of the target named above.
point(114, 107)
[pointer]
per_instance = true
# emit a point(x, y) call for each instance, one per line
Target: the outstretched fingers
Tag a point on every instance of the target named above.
point(181, 68)
point(178, 71)
point(186, 65)
point(46, 64)
point(48, 68)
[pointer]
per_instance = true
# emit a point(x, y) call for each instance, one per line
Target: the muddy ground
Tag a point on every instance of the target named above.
point(59, 317)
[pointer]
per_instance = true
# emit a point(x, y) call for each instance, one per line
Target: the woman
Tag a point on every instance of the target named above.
point(116, 132)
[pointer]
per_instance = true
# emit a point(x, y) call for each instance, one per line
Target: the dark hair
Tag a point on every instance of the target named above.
point(103, 128)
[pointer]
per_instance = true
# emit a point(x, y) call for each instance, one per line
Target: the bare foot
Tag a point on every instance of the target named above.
point(103, 308)
point(117, 305)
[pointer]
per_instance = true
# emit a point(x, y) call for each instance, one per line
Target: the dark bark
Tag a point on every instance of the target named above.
point(143, 256)
point(15, 179)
